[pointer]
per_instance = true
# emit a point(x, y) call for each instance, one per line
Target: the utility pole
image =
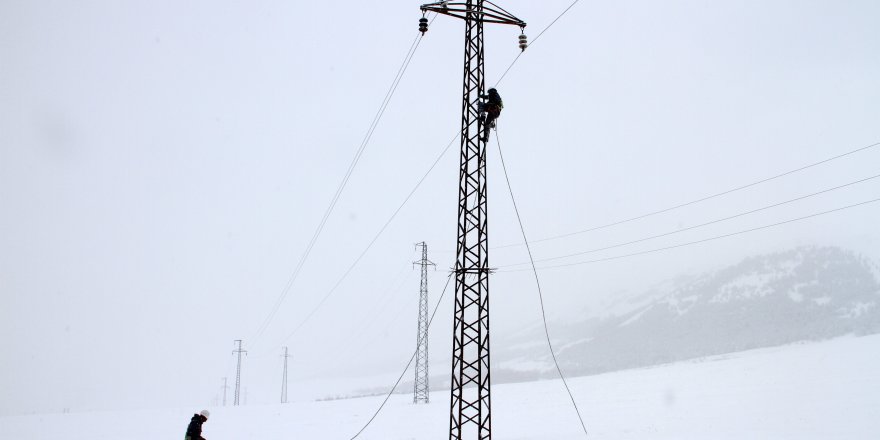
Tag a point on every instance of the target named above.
point(470, 402)
point(238, 372)
point(421, 388)
point(225, 387)
point(284, 378)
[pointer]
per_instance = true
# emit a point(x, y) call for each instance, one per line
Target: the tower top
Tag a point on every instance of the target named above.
point(488, 13)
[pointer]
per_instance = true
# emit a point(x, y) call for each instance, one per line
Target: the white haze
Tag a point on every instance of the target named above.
point(164, 164)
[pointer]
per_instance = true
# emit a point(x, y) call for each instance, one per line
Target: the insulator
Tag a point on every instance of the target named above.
point(423, 25)
point(523, 42)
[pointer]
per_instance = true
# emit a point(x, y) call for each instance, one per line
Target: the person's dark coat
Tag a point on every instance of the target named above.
point(194, 430)
point(492, 107)
point(494, 99)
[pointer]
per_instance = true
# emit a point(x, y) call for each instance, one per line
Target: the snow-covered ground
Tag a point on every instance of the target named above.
point(826, 390)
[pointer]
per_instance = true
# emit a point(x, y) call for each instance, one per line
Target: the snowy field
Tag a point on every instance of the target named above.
point(827, 390)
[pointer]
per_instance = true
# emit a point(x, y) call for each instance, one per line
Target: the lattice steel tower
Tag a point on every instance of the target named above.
point(238, 372)
point(225, 387)
point(421, 388)
point(471, 402)
point(284, 377)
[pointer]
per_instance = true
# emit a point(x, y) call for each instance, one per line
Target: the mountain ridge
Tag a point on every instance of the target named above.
point(808, 293)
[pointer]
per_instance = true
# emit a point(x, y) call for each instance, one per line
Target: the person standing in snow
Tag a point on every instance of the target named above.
point(194, 430)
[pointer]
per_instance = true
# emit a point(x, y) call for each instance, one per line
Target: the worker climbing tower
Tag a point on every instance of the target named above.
point(471, 399)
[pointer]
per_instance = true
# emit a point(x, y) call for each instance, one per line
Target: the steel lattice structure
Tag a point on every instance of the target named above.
point(225, 387)
point(421, 388)
point(239, 351)
point(471, 399)
point(284, 377)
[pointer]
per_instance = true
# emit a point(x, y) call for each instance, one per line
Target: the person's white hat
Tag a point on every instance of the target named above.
point(205, 413)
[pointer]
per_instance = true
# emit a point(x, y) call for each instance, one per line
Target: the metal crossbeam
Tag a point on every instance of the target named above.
point(485, 12)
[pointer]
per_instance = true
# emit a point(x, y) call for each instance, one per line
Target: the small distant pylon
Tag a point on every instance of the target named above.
point(284, 378)
point(239, 351)
point(225, 387)
point(421, 388)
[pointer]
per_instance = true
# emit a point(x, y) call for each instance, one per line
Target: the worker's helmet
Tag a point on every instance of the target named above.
point(205, 413)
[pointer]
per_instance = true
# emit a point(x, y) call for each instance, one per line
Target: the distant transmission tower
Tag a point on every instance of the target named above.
point(420, 389)
point(238, 372)
point(225, 387)
point(284, 378)
point(471, 402)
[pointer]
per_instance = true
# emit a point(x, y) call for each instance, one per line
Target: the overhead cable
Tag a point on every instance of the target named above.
point(693, 202)
point(678, 231)
point(690, 243)
point(538, 284)
point(403, 373)
point(534, 40)
point(358, 154)
point(371, 243)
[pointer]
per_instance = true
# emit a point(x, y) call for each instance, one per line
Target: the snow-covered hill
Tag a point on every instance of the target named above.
point(816, 391)
point(805, 294)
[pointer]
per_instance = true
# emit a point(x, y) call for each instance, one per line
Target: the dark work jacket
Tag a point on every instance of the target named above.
point(194, 430)
point(494, 99)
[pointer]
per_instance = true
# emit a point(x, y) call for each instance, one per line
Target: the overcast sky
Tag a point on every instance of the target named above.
point(164, 164)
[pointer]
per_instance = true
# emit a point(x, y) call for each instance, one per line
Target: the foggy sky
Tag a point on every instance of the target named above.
point(164, 164)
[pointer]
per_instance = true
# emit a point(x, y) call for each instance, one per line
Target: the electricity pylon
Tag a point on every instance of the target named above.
point(284, 378)
point(238, 372)
point(471, 398)
point(421, 388)
point(225, 387)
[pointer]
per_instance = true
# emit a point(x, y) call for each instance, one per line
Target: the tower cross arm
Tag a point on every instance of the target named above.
point(489, 13)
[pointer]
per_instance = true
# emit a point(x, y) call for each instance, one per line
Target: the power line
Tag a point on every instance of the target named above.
point(403, 373)
point(380, 112)
point(379, 305)
point(381, 312)
point(692, 202)
point(538, 284)
point(534, 40)
point(365, 324)
point(372, 242)
point(718, 237)
point(342, 184)
point(678, 231)
point(443, 153)
point(388, 318)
